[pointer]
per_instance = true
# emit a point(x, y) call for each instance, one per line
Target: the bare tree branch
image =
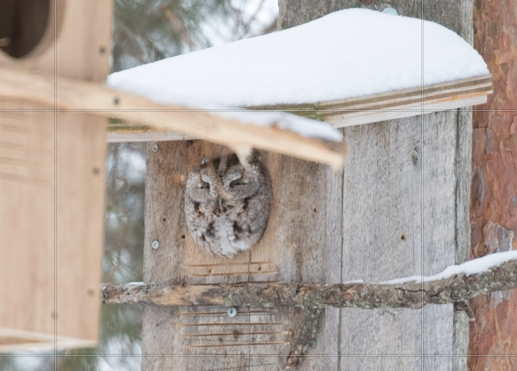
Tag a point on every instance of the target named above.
point(456, 288)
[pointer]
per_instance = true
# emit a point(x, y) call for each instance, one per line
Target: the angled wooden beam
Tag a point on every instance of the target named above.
point(97, 99)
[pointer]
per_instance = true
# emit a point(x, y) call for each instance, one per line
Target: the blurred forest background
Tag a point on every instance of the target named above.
point(144, 31)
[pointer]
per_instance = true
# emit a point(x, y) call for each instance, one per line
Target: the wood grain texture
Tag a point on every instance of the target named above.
point(81, 155)
point(28, 215)
point(78, 53)
point(27, 219)
point(402, 160)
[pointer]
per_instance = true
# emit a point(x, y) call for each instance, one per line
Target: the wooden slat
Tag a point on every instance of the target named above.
point(27, 220)
point(18, 340)
point(396, 104)
point(81, 155)
point(31, 226)
point(102, 101)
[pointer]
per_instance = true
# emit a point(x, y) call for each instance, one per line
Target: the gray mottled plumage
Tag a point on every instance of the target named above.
point(227, 206)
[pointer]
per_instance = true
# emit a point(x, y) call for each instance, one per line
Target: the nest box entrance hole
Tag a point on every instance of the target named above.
point(27, 26)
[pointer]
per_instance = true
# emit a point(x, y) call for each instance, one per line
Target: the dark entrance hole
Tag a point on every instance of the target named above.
point(22, 25)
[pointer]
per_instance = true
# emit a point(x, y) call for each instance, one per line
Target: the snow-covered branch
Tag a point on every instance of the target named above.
point(456, 284)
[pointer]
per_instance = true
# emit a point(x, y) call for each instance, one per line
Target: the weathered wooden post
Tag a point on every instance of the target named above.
point(399, 208)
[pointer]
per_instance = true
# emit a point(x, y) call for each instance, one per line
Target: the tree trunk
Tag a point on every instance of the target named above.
point(494, 205)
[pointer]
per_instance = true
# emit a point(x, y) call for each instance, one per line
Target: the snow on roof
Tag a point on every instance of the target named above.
point(349, 53)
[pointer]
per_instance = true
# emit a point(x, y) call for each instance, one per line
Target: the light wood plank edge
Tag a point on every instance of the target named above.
point(376, 101)
point(37, 341)
point(80, 96)
point(365, 117)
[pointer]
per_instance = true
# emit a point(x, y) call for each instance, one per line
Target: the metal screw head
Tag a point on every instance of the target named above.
point(390, 10)
point(232, 312)
point(155, 244)
point(155, 147)
point(313, 343)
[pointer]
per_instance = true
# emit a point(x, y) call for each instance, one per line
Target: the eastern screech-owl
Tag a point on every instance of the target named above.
point(226, 205)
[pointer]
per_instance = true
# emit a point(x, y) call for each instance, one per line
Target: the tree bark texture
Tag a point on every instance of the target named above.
point(494, 183)
point(456, 289)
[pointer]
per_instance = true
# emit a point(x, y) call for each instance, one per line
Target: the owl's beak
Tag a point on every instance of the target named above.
point(220, 201)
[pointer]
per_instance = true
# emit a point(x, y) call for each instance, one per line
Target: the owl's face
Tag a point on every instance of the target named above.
point(236, 181)
point(201, 186)
point(226, 205)
point(241, 183)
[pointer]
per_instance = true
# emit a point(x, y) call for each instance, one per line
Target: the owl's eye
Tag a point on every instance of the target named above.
point(205, 186)
point(237, 183)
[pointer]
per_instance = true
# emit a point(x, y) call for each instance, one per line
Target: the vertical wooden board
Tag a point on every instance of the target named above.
point(382, 239)
point(83, 45)
point(391, 241)
point(440, 204)
point(164, 329)
point(26, 218)
point(164, 222)
point(164, 214)
point(382, 201)
point(305, 240)
point(380, 362)
point(439, 188)
point(438, 339)
point(266, 250)
point(81, 156)
point(303, 229)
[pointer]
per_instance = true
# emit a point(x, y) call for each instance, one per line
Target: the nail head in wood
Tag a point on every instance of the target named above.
point(232, 312)
point(155, 244)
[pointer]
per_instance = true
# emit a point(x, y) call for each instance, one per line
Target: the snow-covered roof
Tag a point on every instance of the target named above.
point(346, 54)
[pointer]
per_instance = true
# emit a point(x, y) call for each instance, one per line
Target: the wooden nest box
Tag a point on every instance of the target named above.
point(51, 177)
point(398, 208)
